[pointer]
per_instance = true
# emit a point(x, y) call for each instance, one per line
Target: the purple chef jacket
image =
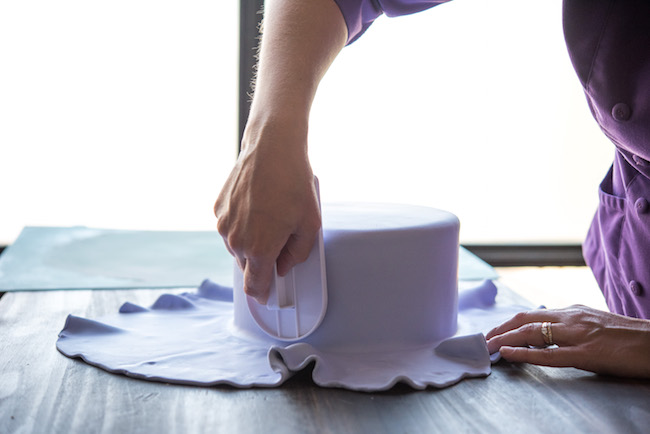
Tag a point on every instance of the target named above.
point(609, 46)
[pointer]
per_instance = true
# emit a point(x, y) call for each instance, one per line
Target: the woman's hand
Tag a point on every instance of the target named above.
point(268, 209)
point(586, 338)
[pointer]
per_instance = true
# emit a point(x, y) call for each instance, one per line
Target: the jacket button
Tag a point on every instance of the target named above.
point(639, 161)
point(641, 205)
point(621, 112)
point(635, 287)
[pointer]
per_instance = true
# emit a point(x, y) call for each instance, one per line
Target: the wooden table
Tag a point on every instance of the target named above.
point(43, 391)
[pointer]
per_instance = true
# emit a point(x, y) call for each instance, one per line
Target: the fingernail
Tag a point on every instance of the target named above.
point(261, 300)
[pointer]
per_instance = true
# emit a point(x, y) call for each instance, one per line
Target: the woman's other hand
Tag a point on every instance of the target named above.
point(584, 338)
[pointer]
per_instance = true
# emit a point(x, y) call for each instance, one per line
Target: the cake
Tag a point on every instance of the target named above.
point(390, 316)
point(391, 279)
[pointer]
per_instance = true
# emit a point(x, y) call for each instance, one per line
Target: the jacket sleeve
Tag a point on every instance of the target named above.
point(360, 14)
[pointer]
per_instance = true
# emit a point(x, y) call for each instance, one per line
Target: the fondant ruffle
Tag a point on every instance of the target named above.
point(189, 338)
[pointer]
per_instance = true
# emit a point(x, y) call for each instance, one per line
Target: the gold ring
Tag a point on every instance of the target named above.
point(547, 333)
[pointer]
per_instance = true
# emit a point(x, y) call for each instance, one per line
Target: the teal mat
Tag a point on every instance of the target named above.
point(51, 258)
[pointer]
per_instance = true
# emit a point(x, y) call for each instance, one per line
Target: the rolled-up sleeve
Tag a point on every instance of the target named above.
point(360, 14)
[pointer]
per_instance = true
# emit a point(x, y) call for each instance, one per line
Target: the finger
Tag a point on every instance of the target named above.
point(295, 251)
point(241, 263)
point(230, 250)
point(223, 230)
point(538, 315)
point(241, 260)
point(527, 335)
point(258, 274)
point(559, 357)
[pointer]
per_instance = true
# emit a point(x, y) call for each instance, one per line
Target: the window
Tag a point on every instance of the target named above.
point(124, 114)
point(116, 114)
point(472, 107)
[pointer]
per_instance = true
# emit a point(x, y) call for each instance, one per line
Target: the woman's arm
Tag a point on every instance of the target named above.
point(267, 210)
point(586, 338)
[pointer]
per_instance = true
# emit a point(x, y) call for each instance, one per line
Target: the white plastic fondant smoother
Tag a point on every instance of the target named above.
point(297, 301)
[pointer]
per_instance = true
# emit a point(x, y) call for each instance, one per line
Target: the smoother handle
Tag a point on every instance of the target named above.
point(282, 294)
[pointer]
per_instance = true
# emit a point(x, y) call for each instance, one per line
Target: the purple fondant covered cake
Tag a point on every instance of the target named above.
point(391, 278)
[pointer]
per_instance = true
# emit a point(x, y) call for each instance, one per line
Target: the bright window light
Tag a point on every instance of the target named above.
point(473, 107)
point(117, 114)
point(123, 114)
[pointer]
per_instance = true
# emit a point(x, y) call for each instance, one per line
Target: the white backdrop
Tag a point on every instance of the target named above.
point(116, 113)
point(123, 114)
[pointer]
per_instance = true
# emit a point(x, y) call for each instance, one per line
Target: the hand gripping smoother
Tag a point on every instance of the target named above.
point(298, 301)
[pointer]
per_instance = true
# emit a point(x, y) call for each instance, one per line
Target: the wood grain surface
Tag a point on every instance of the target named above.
point(43, 391)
